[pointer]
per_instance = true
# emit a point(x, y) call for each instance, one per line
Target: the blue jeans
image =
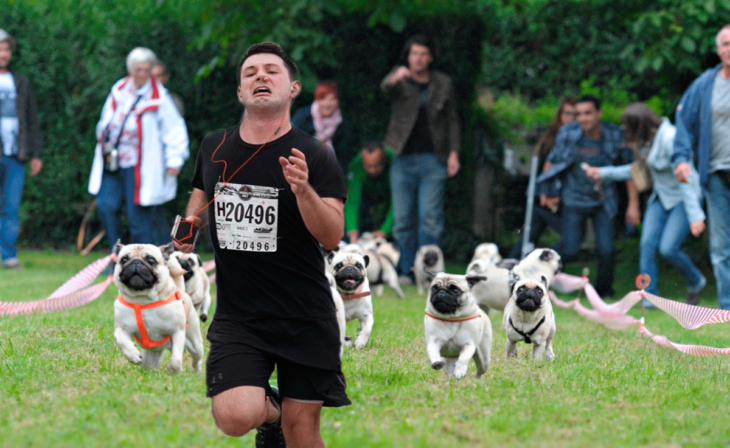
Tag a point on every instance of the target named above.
point(665, 230)
point(718, 211)
point(417, 185)
point(12, 175)
point(116, 188)
point(574, 219)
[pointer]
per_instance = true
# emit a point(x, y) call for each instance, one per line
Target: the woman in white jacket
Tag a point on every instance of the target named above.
point(142, 145)
point(674, 209)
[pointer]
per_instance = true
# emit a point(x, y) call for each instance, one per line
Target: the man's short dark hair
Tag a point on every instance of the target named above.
point(268, 48)
point(590, 99)
point(372, 146)
point(418, 39)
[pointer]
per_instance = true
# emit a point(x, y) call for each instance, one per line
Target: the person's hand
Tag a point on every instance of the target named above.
point(682, 172)
point(187, 248)
point(173, 171)
point(592, 172)
point(697, 228)
point(452, 165)
point(633, 216)
point(378, 234)
point(353, 235)
point(551, 202)
point(35, 166)
point(296, 171)
point(401, 73)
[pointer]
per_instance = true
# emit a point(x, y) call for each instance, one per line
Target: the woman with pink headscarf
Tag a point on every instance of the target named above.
point(323, 119)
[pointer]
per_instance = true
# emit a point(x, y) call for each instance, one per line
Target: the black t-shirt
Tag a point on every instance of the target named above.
point(419, 142)
point(269, 268)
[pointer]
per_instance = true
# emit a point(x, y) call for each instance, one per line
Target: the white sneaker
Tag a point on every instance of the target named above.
point(12, 263)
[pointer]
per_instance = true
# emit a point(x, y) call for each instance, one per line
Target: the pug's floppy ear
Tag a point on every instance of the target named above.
point(512, 288)
point(367, 260)
point(543, 280)
point(546, 255)
point(167, 250)
point(118, 247)
point(331, 255)
point(474, 279)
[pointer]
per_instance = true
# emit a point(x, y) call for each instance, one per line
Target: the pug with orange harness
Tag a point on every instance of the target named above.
point(153, 308)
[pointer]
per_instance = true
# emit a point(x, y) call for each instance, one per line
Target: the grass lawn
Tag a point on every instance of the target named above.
point(64, 382)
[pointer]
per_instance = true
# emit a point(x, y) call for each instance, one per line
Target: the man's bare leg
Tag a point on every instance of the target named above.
point(239, 410)
point(300, 422)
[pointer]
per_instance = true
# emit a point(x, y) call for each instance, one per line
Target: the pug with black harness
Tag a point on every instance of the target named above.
point(456, 329)
point(529, 318)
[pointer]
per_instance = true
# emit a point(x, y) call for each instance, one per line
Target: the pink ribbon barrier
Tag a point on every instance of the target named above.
point(69, 295)
point(694, 350)
point(613, 316)
point(211, 277)
point(208, 265)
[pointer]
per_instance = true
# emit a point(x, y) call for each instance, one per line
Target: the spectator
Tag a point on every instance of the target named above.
point(595, 143)
point(159, 71)
point(368, 184)
point(673, 209)
point(141, 124)
point(324, 120)
point(20, 138)
point(544, 216)
point(424, 135)
point(703, 133)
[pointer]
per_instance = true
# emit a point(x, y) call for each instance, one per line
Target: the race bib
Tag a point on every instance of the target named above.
point(246, 217)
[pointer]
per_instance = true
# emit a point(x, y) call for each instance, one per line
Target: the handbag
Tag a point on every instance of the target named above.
point(640, 171)
point(110, 151)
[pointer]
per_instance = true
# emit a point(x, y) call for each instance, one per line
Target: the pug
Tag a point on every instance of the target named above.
point(508, 263)
point(339, 309)
point(197, 284)
point(529, 317)
point(381, 271)
point(428, 258)
point(350, 273)
point(455, 328)
point(539, 263)
point(494, 293)
point(488, 252)
point(153, 309)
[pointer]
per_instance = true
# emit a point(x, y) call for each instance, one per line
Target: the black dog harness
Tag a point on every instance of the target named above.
point(529, 333)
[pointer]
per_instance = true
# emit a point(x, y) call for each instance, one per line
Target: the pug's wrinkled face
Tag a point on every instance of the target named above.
point(348, 269)
point(140, 266)
point(529, 295)
point(449, 293)
point(430, 258)
point(189, 262)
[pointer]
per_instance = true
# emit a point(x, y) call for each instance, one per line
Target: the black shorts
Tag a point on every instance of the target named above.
point(235, 361)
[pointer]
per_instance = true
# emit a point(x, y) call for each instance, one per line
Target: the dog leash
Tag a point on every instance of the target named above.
point(145, 341)
point(529, 333)
point(452, 320)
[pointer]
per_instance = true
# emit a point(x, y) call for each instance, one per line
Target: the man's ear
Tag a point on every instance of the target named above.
point(296, 87)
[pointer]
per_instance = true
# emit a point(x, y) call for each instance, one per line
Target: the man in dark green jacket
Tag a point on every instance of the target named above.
point(20, 140)
point(369, 206)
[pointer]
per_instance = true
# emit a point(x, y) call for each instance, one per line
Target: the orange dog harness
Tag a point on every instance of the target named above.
point(145, 341)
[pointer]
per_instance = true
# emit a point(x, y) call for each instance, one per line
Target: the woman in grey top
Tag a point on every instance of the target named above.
point(674, 209)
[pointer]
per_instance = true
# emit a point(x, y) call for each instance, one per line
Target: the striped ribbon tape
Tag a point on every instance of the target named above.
point(614, 316)
point(74, 293)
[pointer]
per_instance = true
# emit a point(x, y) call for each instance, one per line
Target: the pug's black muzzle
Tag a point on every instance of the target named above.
point(529, 299)
point(445, 302)
point(430, 259)
point(138, 275)
point(349, 278)
point(188, 269)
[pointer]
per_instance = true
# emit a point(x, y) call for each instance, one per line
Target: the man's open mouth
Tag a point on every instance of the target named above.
point(262, 89)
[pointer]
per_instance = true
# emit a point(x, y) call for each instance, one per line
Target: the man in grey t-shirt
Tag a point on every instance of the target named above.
point(703, 132)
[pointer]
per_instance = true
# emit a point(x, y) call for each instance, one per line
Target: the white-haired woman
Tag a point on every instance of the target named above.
point(142, 145)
